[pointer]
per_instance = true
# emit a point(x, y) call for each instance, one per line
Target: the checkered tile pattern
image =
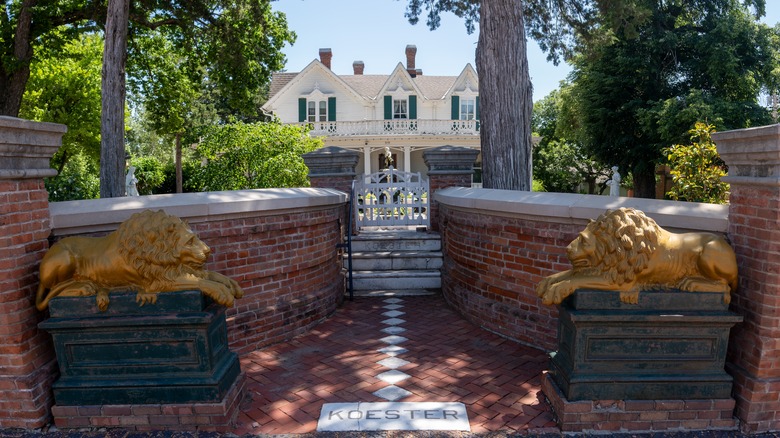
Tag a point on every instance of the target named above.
point(438, 356)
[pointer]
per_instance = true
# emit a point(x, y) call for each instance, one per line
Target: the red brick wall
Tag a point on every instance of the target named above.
point(442, 181)
point(492, 265)
point(27, 363)
point(754, 354)
point(288, 266)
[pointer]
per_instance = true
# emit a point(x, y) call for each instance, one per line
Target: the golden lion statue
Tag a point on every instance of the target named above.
point(151, 252)
point(626, 251)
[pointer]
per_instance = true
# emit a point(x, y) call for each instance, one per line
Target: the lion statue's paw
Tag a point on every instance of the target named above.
point(629, 296)
point(145, 298)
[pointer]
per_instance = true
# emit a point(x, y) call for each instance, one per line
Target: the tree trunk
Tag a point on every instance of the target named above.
point(13, 81)
point(644, 182)
point(505, 96)
point(179, 178)
point(112, 126)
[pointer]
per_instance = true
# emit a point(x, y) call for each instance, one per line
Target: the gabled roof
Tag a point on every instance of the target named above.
point(468, 74)
point(372, 86)
point(283, 81)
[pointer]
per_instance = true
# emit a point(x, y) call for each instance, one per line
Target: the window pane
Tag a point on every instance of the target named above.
point(467, 109)
point(323, 111)
point(312, 111)
point(399, 109)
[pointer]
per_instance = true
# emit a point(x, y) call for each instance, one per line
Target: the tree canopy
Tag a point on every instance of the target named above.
point(201, 30)
point(687, 62)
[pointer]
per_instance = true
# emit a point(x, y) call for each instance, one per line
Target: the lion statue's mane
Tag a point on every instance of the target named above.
point(626, 251)
point(151, 252)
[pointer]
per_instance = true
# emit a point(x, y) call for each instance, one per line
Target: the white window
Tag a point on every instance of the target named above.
point(317, 111)
point(400, 109)
point(467, 109)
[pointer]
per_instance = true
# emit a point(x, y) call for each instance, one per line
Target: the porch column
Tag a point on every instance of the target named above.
point(366, 160)
point(27, 361)
point(753, 157)
point(448, 166)
point(407, 158)
point(332, 168)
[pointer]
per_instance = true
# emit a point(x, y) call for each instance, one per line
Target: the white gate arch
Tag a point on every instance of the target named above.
point(392, 198)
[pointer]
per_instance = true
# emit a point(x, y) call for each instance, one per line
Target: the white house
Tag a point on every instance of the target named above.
point(404, 111)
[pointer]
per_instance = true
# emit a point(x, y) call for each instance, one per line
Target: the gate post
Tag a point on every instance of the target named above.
point(332, 168)
point(27, 361)
point(448, 166)
point(753, 157)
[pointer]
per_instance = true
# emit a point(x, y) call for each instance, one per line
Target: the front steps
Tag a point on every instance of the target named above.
point(396, 262)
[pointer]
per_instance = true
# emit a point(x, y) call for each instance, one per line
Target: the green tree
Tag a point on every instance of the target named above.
point(644, 87)
point(64, 87)
point(257, 155)
point(200, 30)
point(560, 163)
point(697, 169)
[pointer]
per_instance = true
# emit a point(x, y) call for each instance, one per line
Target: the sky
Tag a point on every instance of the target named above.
point(377, 33)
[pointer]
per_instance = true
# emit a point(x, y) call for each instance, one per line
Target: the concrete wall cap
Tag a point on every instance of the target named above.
point(94, 215)
point(573, 208)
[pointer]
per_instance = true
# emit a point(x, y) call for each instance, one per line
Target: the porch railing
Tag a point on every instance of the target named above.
point(395, 127)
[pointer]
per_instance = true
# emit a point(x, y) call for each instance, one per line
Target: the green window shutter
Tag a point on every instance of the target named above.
point(302, 109)
point(388, 107)
point(412, 106)
point(331, 109)
point(455, 107)
point(476, 110)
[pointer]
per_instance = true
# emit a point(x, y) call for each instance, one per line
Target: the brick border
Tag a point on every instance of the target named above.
point(201, 417)
point(600, 416)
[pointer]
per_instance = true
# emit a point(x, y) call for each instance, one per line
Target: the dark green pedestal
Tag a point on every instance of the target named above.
point(174, 351)
point(671, 345)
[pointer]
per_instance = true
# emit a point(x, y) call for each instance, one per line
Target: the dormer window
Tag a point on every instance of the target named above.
point(468, 109)
point(317, 111)
point(317, 107)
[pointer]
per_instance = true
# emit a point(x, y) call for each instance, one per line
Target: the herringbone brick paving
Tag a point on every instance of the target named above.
point(451, 360)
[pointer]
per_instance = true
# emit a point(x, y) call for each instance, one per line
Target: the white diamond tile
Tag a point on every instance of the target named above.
point(393, 330)
point(393, 376)
point(393, 339)
point(394, 321)
point(393, 362)
point(392, 393)
point(394, 301)
point(393, 313)
point(393, 350)
point(393, 307)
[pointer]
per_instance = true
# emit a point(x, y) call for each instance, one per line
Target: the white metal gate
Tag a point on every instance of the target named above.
point(391, 198)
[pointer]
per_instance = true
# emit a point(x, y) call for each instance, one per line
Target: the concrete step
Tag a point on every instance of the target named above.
point(395, 260)
point(396, 293)
point(396, 280)
point(389, 241)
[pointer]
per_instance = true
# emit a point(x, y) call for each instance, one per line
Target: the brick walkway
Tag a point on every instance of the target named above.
point(449, 360)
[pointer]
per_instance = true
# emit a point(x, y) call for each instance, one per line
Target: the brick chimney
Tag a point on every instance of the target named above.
point(357, 67)
point(411, 52)
point(325, 56)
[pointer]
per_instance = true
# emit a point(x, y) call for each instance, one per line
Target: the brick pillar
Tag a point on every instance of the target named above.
point(27, 361)
point(332, 168)
point(448, 166)
point(753, 157)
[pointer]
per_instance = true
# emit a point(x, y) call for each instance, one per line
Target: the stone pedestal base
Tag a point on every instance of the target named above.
point(670, 345)
point(638, 415)
point(206, 417)
point(173, 351)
